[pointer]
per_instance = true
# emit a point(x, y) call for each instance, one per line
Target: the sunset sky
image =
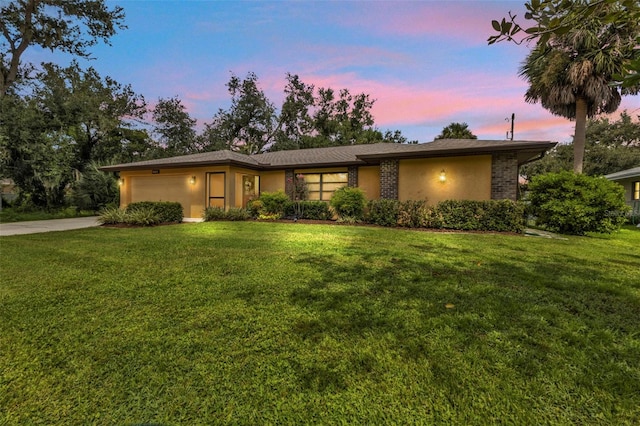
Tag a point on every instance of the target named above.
point(427, 63)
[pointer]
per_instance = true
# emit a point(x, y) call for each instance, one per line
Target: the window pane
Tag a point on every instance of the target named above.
point(311, 178)
point(313, 186)
point(216, 202)
point(326, 195)
point(216, 185)
point(335, 177)
point(332, 186)
point(313, 196)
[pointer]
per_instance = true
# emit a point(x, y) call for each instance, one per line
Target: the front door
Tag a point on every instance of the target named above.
point(250, 188)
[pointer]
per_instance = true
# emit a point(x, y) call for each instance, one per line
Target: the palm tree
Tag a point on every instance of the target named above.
point(573, 75)
point(456, 131)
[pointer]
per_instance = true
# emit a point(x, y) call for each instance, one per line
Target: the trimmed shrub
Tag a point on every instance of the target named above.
point(273, 204)
point(413, 214)
point(571, 203)
point(218, 213)
point(143, 216)
point(459, 214)
point(503, 216)
point(312, 210)
point(254, 206)
point(167, 211)
point(349, 204)
point(112, 216)
point(471, 215)
point(237, 214)
point(383, 212)
point(213, 213)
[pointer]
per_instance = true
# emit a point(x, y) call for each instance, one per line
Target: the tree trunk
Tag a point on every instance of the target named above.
point(579, 137)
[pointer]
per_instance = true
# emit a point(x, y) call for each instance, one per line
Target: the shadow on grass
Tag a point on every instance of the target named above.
point(501, 316)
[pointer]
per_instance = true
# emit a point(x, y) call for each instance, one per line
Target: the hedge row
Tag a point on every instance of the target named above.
point(219, 213)
point(144, 213)
point(491, 215)
point(167, 211)
point(277, 205)
point(468, 215)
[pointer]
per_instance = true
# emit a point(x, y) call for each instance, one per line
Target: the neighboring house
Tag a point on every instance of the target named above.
point(443, 169)
point(630, 180)
point(8, 190)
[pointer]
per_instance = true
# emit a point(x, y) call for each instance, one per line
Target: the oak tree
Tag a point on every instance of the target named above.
point(70, 26)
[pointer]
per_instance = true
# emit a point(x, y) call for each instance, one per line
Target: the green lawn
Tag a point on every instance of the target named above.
point(268, 323)
point(8, 214)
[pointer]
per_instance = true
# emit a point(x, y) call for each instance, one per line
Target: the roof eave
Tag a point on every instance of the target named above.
point(454, 152)
point(179, 165)
point(313, 165)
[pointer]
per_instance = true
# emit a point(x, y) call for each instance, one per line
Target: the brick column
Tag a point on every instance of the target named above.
point(504, 176)
point(352, 179)
point(389, 179)
point(288, 182)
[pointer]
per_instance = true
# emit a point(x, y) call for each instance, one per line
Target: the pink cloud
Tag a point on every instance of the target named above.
point(424, 108)
point(451, 20)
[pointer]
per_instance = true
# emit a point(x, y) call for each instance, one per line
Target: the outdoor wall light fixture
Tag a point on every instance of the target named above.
point(192, 181)
point(120, 181)
point(443, 176)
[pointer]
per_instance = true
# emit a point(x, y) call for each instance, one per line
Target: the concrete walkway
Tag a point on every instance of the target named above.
point(37, 226)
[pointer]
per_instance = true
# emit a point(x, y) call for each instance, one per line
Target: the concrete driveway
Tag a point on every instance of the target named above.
point(37, 226)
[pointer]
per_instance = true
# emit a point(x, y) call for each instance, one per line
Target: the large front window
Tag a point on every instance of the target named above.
point(321, 186)
point(635, 189)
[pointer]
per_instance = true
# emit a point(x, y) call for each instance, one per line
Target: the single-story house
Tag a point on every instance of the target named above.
point(435, 171)
point(630, 180)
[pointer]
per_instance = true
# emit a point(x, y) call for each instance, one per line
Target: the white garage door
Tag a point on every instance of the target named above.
point(161, 188)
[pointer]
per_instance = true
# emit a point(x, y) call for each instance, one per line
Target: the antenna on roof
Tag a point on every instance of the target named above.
point(513, 118)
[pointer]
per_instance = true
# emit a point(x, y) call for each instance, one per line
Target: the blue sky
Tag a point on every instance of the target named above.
point(426, 63)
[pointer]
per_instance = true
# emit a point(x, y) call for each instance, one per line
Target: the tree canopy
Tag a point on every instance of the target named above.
point(68, 118)
point(456, 131)
point(309, 117)
point(174, 127)
point(573, 71)
point(70, 26)
point(557, 17)
point(611, 146)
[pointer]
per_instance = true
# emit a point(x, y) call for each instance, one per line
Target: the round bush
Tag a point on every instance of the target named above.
point(349, 203)
point(273, 203)
point(576, 204)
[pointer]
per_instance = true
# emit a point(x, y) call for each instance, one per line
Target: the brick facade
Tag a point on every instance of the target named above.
point(504, 176)
point(389, 179)
point(352, 179)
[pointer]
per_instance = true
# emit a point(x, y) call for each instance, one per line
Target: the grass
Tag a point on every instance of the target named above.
point(269, 323)
point(8, 214)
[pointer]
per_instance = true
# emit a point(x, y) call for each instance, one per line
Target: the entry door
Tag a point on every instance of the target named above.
point(217, 183)
point(250, 188)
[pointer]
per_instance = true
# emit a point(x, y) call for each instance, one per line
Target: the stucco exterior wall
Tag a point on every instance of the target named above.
point(628, 188)
point(369, 181)
point(175, 185)
point(467, 178)
point(272, 181)
point(167, 185)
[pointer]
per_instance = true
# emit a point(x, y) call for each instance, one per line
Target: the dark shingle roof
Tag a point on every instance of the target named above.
point(201, 159)
point(345, 155)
